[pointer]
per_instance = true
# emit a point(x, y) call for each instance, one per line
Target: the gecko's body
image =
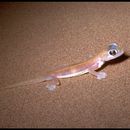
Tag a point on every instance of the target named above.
point(77, 69)
point(89, 66)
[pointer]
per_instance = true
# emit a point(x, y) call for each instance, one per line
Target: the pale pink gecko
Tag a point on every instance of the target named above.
point(113, 51)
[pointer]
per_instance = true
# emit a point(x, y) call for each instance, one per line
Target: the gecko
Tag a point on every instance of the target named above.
point(90, 66)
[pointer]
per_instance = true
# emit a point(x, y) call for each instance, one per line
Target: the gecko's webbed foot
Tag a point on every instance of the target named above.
point(51, 85)
point(101, 75)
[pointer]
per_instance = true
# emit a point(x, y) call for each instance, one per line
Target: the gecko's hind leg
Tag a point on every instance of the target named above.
point(51, 84)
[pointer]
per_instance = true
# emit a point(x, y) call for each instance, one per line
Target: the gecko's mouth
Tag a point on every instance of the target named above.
point(119, 54)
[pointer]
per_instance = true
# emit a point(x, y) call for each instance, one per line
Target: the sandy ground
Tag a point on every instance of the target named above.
point(38, 37)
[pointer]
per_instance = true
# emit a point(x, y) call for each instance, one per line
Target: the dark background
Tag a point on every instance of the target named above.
point(38, 37)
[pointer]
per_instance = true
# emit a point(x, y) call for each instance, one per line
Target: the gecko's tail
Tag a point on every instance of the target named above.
point(29, 82)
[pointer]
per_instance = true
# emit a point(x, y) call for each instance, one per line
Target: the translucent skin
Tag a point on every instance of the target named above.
point(82, 68)
point(88, 66)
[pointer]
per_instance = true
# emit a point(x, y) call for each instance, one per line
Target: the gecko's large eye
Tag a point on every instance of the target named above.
point(113, 52)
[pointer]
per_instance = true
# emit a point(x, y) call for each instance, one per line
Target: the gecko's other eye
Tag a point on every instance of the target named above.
point(113, 52)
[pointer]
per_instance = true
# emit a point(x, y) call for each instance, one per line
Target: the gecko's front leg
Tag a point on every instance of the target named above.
point(99, 75)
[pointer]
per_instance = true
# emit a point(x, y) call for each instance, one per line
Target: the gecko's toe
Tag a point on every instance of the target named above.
point(101, 75)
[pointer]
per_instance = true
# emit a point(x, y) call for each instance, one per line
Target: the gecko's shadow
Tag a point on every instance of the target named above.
point(116, 61)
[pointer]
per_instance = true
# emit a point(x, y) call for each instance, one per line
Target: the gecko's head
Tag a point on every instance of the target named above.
point(113, 52)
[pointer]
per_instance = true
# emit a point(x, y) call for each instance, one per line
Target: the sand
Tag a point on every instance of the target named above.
point(38, 37)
